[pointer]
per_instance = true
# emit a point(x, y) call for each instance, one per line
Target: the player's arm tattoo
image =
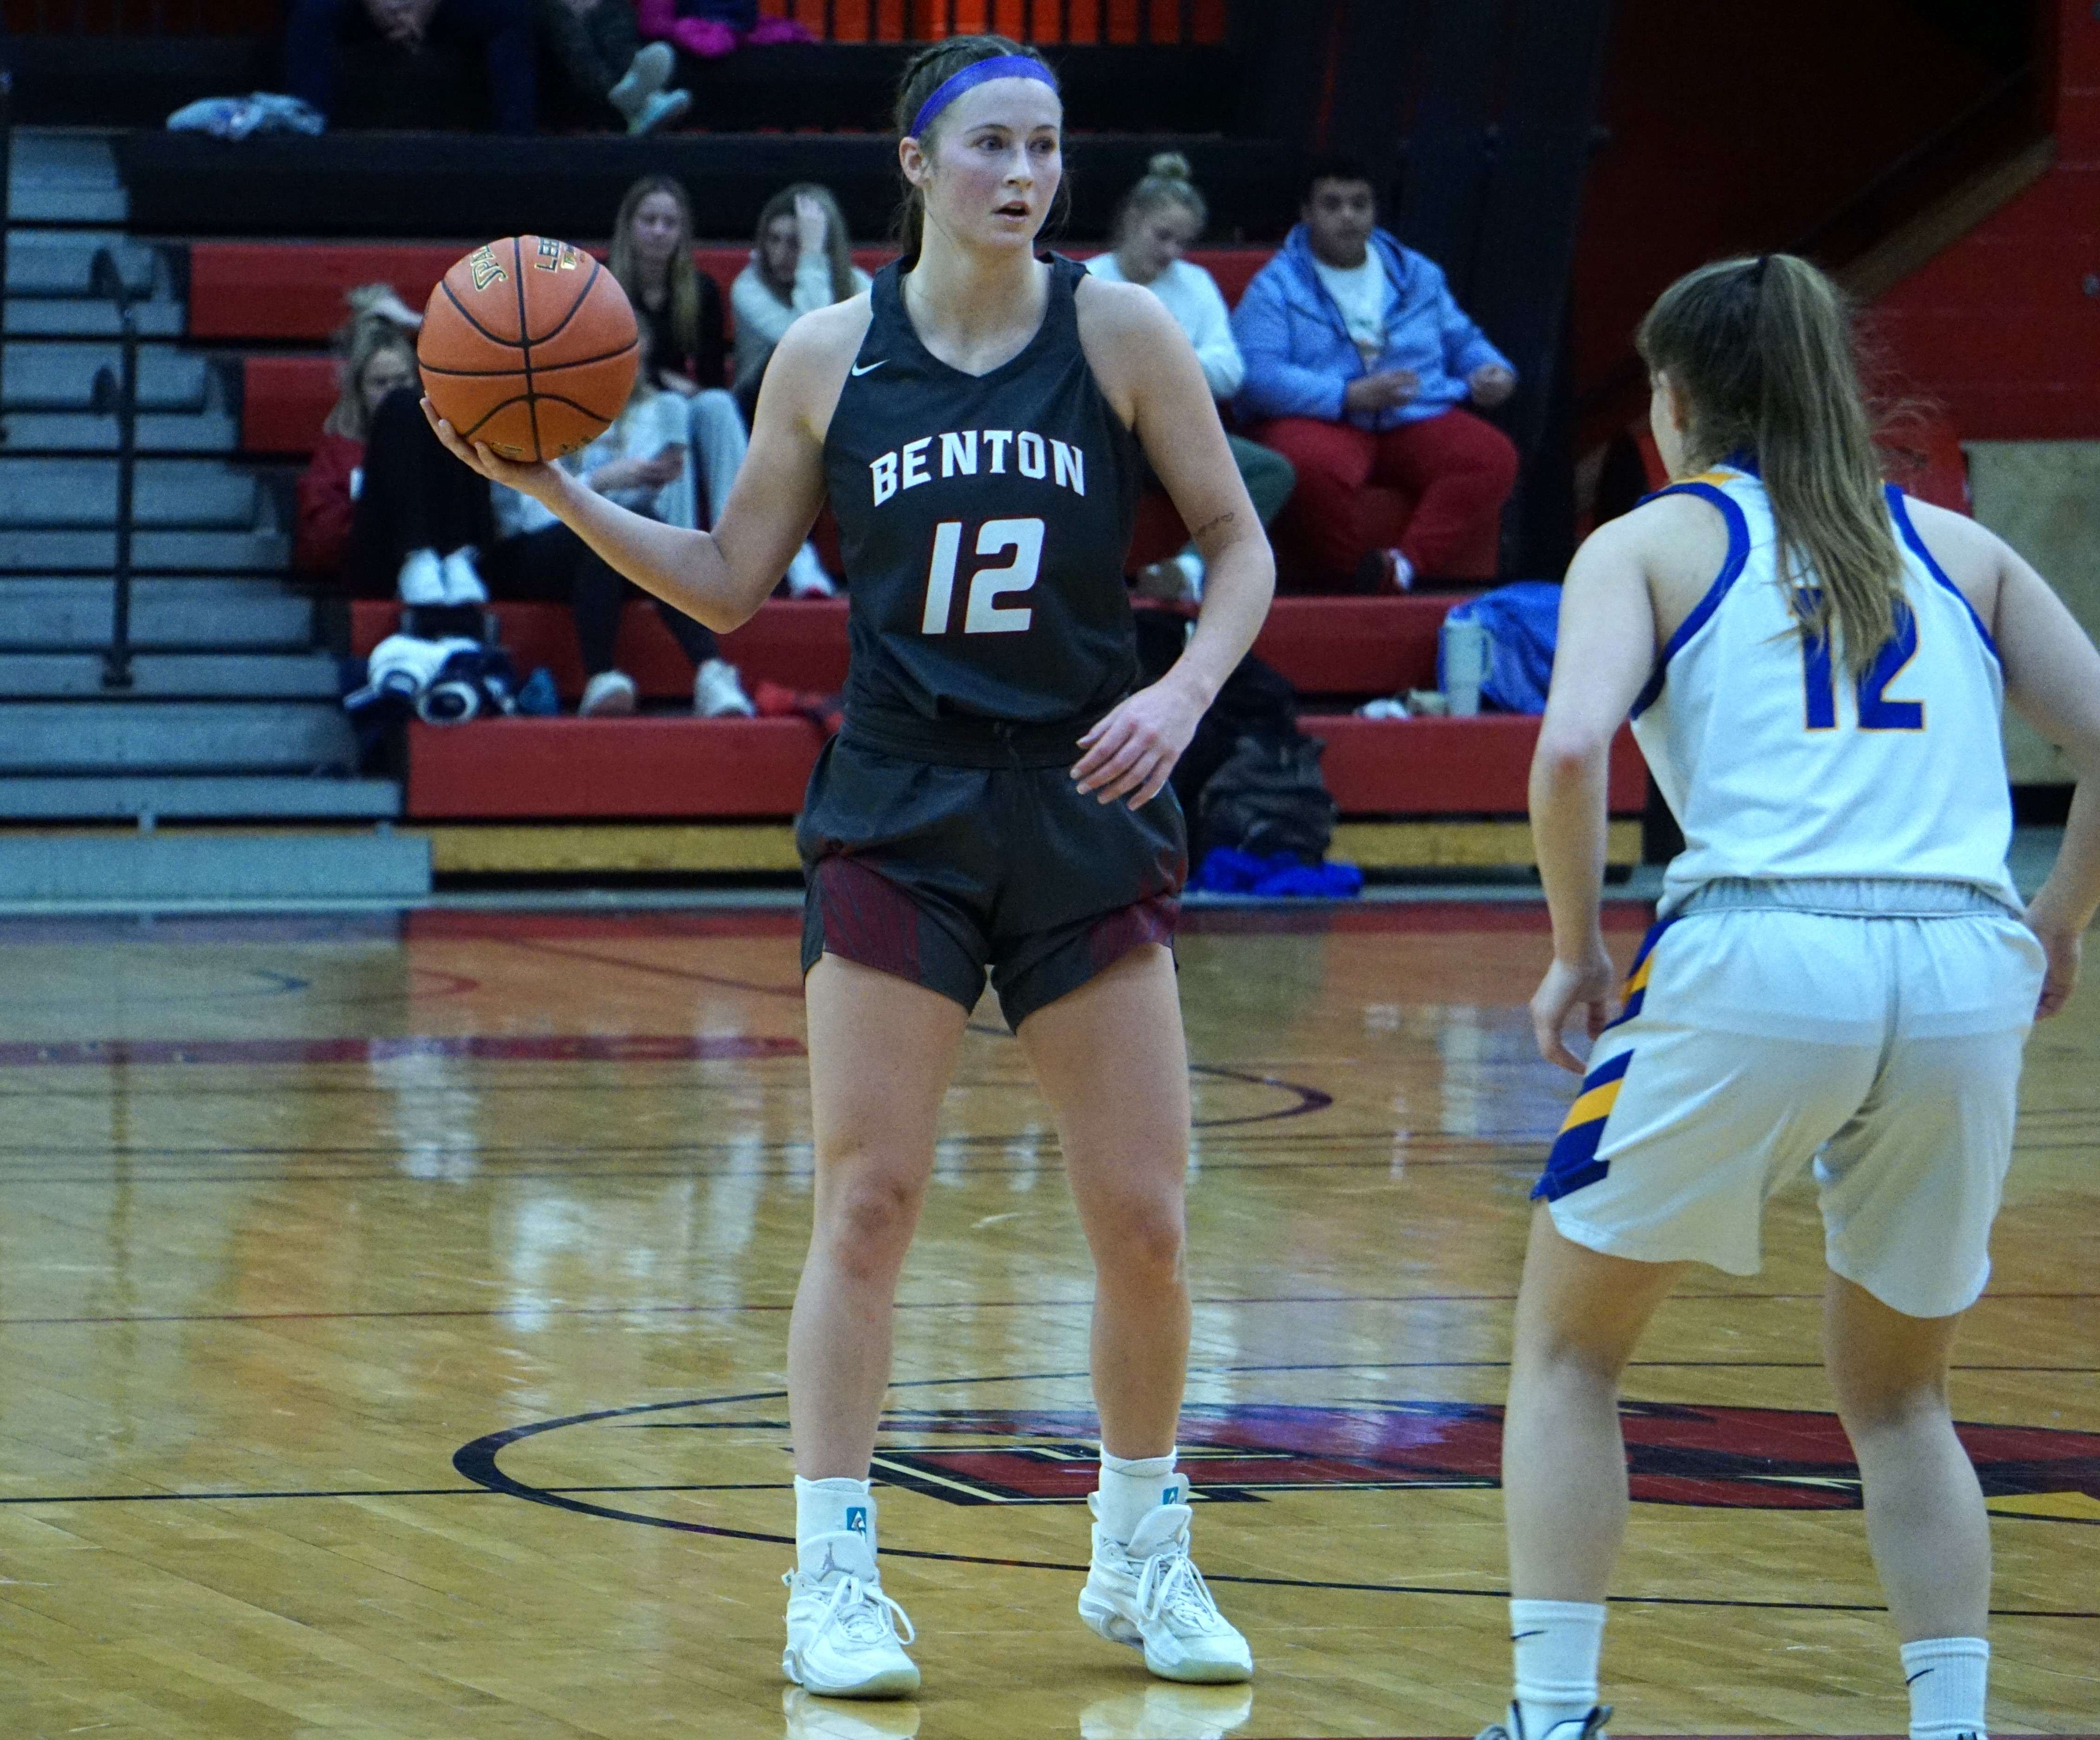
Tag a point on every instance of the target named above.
point(1212, 526)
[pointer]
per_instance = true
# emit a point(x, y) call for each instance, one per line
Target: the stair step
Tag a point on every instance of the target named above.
point(60, 263)
point(212, 867)
point(43, 613)
point(145, 736)
point(83, 318)
point(75, 431)
point(194, 797)
point(44, 552)
point(59, 375)
point(65, 178)
point(65, 493)
point(221, 676)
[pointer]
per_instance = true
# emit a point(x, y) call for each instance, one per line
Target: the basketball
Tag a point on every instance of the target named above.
point(528, 345)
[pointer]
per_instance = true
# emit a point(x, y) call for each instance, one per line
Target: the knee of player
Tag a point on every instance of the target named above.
point(869, 1221)
point(1147, 1236)
point(1872, 1405)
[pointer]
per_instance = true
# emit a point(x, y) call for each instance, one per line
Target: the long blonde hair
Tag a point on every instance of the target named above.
point(838, 248)
point(365, 335)
point(682, 276)
point(1762, 350)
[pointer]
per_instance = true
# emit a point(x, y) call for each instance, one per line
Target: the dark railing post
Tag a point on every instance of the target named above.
point(120, 396)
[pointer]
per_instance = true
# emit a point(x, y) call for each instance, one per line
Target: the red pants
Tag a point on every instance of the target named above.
point(1433, 490)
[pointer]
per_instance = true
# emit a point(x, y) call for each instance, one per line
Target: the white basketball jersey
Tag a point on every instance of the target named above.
point(1778, 762)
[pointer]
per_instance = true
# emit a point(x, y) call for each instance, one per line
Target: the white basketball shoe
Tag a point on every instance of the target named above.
point(842, 1639)
point(1147, 1593)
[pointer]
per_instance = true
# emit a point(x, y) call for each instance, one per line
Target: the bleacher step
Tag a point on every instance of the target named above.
point(63, 178)
point(43, 551)
point(195, 797)
point(190, 493)
point(60, 263)
point(198, 676)
point(72, 431)
point(147, 736)
point(85, 318)
point(209, 867)
point(60, 377)
point(43, 613)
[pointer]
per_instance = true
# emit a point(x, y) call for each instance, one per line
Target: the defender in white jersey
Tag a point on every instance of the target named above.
point(1843, 972)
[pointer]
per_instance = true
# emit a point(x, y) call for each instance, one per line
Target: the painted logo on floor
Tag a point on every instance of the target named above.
point(1730, 1457)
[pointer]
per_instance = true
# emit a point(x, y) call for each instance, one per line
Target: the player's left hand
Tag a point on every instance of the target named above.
point(1593, 985)
point(1131, 751)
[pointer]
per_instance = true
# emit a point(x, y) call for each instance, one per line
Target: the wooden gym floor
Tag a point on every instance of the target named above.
point(392, 1315)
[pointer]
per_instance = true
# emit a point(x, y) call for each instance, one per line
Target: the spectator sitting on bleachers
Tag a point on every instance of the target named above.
point(1158, 219)
point(708, 29)
point(1357, 361)
point(801, 263)
point(681, 307)
point(503, 29)
point(383, 501)
point(598, 46)
point(640, 463)
point(377, 356)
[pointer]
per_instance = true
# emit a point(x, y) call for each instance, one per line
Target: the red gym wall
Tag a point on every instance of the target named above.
point(1735, 139)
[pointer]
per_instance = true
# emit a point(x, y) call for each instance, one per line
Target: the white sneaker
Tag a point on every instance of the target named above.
point(462, 579)
point(422, 578)
point(842, 1638)
point(1149, 1595)
point(646, 73)
point(717, 693)
point(807, 580)
point(609, 693)
point(1591, 1727)
point(810, 1717)
point(657, 109)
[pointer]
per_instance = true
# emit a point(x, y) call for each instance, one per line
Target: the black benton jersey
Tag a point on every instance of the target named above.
point(984, 520)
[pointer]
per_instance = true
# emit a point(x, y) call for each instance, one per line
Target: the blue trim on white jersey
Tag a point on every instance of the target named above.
point(1900, 509)
point(1731, 569)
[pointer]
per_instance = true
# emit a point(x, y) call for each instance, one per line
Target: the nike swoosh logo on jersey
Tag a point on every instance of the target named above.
point(870, 369)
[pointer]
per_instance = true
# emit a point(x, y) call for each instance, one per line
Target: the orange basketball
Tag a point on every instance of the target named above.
point(528, 345)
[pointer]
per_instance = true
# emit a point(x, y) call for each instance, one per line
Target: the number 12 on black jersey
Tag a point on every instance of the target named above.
point(983, 614)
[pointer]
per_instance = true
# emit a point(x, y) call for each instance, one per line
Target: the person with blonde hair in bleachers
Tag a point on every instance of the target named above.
point(1159, 219)
point(803, 260)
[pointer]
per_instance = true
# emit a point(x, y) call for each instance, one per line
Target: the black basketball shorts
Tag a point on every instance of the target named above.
point(939, 871)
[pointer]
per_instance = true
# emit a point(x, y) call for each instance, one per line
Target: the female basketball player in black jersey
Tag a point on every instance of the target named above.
point(997, 800)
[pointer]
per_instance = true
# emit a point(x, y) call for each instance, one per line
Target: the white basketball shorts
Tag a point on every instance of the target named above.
point(1758, 1034)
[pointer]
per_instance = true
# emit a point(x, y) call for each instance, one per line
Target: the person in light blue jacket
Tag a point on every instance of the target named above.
point(1359, 367)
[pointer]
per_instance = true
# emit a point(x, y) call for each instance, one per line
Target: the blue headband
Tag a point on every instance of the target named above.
point(980, 73)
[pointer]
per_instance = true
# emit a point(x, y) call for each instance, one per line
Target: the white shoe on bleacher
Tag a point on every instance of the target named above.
point(422, 578)
point(462, 579)
point(609, 693)
point(717, 694)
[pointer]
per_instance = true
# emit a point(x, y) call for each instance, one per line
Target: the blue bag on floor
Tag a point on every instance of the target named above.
point(1522, 621)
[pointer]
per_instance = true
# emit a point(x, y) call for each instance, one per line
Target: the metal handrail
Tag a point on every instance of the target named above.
point(118, 395)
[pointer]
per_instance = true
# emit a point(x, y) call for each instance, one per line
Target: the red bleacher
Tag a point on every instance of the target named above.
point(254, 292)
point(667, 766)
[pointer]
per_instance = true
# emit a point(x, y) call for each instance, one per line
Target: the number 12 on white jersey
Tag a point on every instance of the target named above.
point(984, 614)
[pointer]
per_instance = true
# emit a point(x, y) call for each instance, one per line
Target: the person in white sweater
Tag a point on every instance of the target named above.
point(801, 264)
point(1157, 221)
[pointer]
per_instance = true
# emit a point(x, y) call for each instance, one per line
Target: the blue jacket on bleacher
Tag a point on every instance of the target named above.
point(1300, 355)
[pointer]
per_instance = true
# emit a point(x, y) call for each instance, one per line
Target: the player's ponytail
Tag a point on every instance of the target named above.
point(1762, 352)
point(926, 72)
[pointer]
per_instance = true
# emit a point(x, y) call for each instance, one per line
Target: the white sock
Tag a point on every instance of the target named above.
point(1557, 1644)
point(1133, 1487)
point(834, 1519)
point(1946, 1677)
